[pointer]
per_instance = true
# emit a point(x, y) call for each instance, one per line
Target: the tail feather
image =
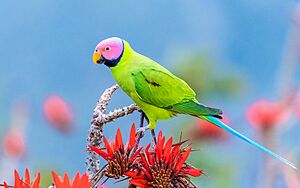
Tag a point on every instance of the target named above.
point(217, 122)
point(196, 109)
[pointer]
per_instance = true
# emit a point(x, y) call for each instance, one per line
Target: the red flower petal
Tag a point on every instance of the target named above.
point(132, 158)
point(108, 147)
point(131, 143)
point(150, 159)
point(174, 153)
point(159, 136)
point(167, 149)
point(140, 183)
point(5, 185)
point(159, 146)
point(76, 181)
point(119, 141)
point(182, 160)
point(36, 183)
point(147, 174)
point(56, 180)
point(66, 181)
point(192, 171)
point(134, 175)
point(27, 177)
point(145, 164)
point(85, 183)
point(18, 181)
point(99, 152)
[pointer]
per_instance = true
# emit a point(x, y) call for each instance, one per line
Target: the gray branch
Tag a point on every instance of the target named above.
point(95, 132)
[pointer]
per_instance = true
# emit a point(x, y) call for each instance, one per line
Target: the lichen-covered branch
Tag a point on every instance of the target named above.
point(117, 113)
point(95, 132)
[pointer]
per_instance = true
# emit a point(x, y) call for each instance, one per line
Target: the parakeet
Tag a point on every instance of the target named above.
point(158, 93)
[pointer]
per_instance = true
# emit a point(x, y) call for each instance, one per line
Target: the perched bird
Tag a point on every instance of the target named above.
point(160, 94)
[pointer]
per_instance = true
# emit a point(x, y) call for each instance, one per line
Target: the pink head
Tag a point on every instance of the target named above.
point(109, 52)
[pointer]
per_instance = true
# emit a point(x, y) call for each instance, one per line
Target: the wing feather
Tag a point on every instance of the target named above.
point(161, 88)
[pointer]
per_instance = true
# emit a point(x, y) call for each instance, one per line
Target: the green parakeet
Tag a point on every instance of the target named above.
point(156, 91)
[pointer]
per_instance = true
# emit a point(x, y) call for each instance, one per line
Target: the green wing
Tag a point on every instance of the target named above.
point(162, 89)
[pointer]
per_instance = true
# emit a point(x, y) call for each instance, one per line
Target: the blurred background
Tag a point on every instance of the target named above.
point(240, 56)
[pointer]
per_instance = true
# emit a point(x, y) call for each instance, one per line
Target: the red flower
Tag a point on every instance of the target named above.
point(78, 181)
point(26, 183)
point(58, 113)
point(264, 114)
point(164, 166)
point(119, 157)
point(207, 130)
point(14, 143)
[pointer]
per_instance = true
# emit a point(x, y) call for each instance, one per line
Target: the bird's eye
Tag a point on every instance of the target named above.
point(107, 48)
point(96, 50)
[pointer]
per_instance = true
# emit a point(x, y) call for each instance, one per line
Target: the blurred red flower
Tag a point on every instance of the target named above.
point(164, 166)
point(120, 158)
point(58, 113)
point(25, 183)
point(206, 130)
point(264, 114)
point(14, 143)
point(65, 182)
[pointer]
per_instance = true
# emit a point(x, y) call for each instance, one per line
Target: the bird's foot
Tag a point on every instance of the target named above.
point(141, 131)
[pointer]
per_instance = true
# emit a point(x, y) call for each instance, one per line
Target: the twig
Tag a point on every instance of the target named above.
point(2, 185)
point(95, 132)
point(153, 136)
point(140, 134)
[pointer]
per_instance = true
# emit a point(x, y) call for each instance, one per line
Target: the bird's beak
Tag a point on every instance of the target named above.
point(97, 58)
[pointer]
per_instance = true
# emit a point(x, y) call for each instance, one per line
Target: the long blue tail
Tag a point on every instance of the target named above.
point(235, 133)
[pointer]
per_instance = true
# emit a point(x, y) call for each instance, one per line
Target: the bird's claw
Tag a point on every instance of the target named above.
point(141, 131)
